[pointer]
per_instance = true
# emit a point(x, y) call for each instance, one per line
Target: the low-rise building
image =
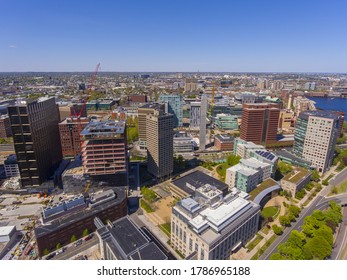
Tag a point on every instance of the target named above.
point(267, 157)
point(183, 143)
point(226, 122)
point(211, 226)
point(224, 142)
point(246, 175)
point(295, 180)
point(123, 240)
point(67, 223)
point(11, 166)
point(243, 148)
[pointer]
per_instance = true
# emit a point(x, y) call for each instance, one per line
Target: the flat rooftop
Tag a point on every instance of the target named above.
point(198, 179)
point(296, 175)
point(318, 113)
point(4, 231)
point(225, 138)
point(99, 128)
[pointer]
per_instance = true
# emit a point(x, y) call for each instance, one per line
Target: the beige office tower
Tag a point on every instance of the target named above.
point(159, 144)
point(142, 113)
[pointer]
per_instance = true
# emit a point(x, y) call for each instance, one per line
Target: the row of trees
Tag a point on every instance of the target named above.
point(293, 213)
point(315, 241)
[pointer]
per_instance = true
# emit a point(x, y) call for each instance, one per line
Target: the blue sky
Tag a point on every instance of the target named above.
point(259, 35)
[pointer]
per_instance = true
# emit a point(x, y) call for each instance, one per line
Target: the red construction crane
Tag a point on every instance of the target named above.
point(77, 115)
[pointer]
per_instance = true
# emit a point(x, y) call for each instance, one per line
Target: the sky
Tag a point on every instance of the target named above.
point(174, 36)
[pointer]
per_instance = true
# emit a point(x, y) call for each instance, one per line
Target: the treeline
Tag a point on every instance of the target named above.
point(315, 241)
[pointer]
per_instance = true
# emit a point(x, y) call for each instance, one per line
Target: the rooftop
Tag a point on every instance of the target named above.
point(104, 127)
point(268, 183)
point(268, 155)
point(197, 179)
point(296, 175)
point(6, 230)
point(225, 138)
point(321, 114)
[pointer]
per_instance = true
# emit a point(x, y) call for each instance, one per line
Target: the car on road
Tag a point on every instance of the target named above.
point(79, 242)
point(60, 251)
point(88, 237)
point(50, 256)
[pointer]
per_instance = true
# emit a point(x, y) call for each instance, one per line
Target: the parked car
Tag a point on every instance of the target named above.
point(78, 242)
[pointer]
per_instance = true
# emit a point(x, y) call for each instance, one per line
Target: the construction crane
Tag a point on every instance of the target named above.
point(77, 115)
point(87, 187)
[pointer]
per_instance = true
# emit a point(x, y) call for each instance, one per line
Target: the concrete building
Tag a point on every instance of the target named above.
point(302, 104)
point(295, 180)
point(315, 138)
point(60, 228)
point(226, 122)
point(11, 166)
point(285, 120)
point(246, 175)
point(259, 123)
point(224, 142)
point(142, 112)
point(266, 157)
point(70, 136)
point(104, 150)
point(183, 143)
point(6, 233)
point(71, 109)
point(190, 84)
point(36, 139)
point(5, 126)
point(243, 148)
point(136, 98)
point(203, 116)
point(159, 140)
point(175, 107)
point(123, 240)
point(210, 226)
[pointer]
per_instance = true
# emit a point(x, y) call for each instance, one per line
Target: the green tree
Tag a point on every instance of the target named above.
point(296, 239)
point(45, 252)
point(325, 232)
point(295, 210)
point(58, 246)
point(315, 175)
point(233, 160)
point(277, 256)
point(85, 232)
point(284, 168)
point(284, 221)
point(277, 230)
point(148, 194)
point(73, 238)
point(317, 248)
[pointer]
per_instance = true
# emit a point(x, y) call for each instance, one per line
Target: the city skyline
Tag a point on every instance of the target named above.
point(174, 37)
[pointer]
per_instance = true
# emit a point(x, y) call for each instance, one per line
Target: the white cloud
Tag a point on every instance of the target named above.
point(12, 46)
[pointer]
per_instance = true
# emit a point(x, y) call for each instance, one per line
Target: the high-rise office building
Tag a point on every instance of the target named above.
point(203, 116)
point(259, 122)
point(159, 144)
point(174, 103)
point(142, 113)
point(36, 139)
point(315, 137)
point(104, 150)
point(70, 136)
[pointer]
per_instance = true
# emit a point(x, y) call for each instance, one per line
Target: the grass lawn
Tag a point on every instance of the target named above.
point(263, 249)
point(166, 228)
point(254, 243)
point(145, 206)
point(265, 230)
point(339, 189)
point(222, 169)
point(268, 212)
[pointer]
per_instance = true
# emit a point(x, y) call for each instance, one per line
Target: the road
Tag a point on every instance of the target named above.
point(320, 202)
point(339, 178)
point(341, 238)
point(72, 251)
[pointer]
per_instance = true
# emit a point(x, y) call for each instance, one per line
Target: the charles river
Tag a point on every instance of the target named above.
point(331, 103)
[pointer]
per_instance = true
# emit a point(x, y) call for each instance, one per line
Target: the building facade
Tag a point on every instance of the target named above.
point(315, 138)
point(5, 126)
point(226, 122)
point(224, 142)
point(70, 136)
point(142, 113)
point(183, 143)
point(11, 166)
point(210, 226)
point(36, 139)
point(174, 103)
point(259, 123)
point(159, 144)
point(104, 149)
